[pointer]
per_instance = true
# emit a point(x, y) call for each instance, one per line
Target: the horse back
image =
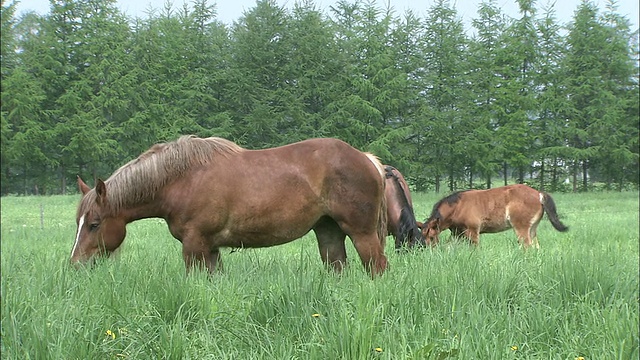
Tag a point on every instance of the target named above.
point(248, 197)
point(495, 210)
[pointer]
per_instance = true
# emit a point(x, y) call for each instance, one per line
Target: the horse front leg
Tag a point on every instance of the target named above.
point(199, 255)
point(473, 234)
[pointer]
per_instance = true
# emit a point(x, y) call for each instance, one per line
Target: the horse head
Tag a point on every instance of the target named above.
point(99, 231)
point(431, 230)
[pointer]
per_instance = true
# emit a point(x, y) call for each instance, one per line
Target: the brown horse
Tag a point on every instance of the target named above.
point(474, 212)
point(401, 221)
point(213, 193)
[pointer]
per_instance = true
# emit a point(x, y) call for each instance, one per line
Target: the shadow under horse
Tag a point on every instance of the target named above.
point(213, 193)
point(473, 212)
point(401, 220)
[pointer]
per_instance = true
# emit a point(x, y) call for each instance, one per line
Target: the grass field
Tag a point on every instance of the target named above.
point(576, 297)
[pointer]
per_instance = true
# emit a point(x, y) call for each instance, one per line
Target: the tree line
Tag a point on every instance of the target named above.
point(525, 99)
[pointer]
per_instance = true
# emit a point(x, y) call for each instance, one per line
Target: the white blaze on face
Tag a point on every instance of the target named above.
point(80, 224)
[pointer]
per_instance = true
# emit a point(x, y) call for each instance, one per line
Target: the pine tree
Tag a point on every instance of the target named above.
point(25, 132)
point(484, 60)
point(517, 62)
point(363, 31)
point(585, 90)
point(312, 70)
point(446, 118)
point(403, 134)
point(616, 130)
point(550, 123)
point(261, 89)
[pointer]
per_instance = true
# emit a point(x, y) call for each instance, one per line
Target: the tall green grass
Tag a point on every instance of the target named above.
point(575, 297)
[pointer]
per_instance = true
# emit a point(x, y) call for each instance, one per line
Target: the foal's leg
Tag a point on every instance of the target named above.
point(473, 234)
point(533, 232)
point(331, 244)
point(525, 229)
point(456, 233)
point(523, 235)
point(534, 239)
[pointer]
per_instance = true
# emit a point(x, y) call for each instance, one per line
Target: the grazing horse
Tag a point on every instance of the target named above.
point(474, 212)
point(401, 221)
point(212, 193)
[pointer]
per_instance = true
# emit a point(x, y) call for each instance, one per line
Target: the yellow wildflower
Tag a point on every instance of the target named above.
point(580, 358)
point(316, 315)
point(378, 349)
point(110, 333)
point(514, 348)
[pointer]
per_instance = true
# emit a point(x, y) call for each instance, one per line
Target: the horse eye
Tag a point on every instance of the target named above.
point(93, 226)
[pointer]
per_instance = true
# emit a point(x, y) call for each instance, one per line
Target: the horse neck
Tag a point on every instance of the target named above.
point(404, 187)
point(132, 210)
point(141, 211)
point(446, 212)
point(402, 193)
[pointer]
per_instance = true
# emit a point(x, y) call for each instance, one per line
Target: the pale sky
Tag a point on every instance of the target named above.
point(228, 11)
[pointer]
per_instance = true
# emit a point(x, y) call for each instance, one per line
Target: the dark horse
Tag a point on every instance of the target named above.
point(401, 221)
point(473, 212)
point(213, 193)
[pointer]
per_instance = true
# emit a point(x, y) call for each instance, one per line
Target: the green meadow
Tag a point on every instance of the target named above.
point(575, 297)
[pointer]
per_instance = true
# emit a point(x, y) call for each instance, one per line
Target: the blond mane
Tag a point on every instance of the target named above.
point(140, 179)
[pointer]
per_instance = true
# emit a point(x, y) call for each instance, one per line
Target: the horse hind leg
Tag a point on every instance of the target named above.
point(371, 253)
point(369, 246)
point(526, 229)
point(527, 232)
point(534, 236)
point(533, 232)
point(523, 235)
point(331, 243)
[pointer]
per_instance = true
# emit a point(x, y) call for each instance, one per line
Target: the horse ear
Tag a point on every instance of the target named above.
point(101, 191)
point(84, 188)
point(419, 224)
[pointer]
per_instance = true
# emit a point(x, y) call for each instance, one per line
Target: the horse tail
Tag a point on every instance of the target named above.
point(382, 215)
point(382, 219)
point(550, 207)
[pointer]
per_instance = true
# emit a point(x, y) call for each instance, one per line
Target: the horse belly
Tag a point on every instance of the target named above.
point(269, 228)
point(255, 240)
point(495, 227)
